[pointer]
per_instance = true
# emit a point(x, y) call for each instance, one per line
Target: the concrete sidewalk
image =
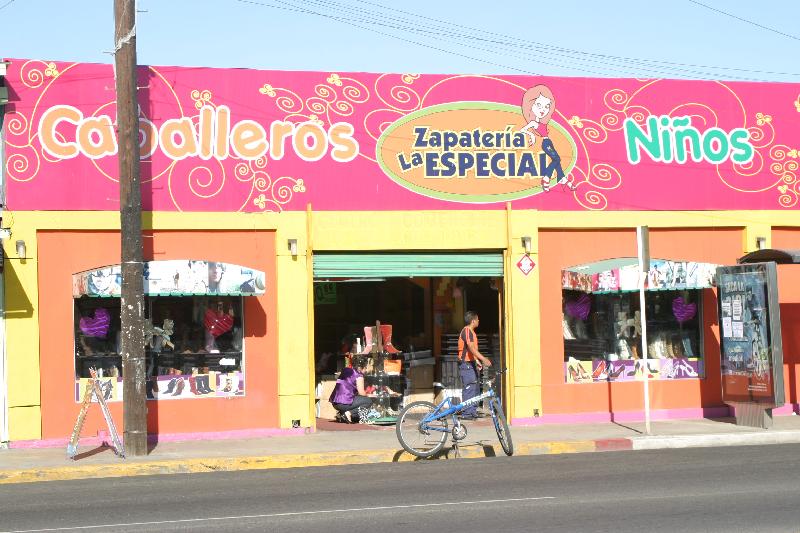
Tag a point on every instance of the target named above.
point(373, 445)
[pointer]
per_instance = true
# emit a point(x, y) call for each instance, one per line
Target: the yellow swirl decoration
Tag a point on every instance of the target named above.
point(17, 123)
point(317, 105)
point(592, 131)
point(201, 98)
point(19, 168)
point(260, 201)
point(638, 113)
point(51, 71)
point(409, 78)
point(286, 100)
point(280, 193)
point(610, 122)
point(257, 164)
point(262, 181)
point(32, 73)
point(609, 176)
point(595, 200)
point(616, 99)
point(325, 92)
point(268, 90)
point(403, 98)
point(355, 91)
point(342, 108)
point(197, 184)
point(762, 119)
point(334, 79)
point(242, 170)
point(404, 95)
point(788, 200)
point(752, 168)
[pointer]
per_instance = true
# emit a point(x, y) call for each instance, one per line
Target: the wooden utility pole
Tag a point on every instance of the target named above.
point(130, 196)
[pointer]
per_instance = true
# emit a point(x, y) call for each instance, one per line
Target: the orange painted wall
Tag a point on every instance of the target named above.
point(559, 249)
point(61, 254)
point(789, 295)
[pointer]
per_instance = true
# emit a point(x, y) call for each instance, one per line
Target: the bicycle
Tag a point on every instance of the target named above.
point(429, 422)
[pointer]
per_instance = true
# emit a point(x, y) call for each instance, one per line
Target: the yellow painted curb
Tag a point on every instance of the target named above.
point(125, 468)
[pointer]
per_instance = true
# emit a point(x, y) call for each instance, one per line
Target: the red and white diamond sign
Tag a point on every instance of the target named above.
point(526, 264)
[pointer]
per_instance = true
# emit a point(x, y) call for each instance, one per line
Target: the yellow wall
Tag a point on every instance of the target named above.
point(429, 230)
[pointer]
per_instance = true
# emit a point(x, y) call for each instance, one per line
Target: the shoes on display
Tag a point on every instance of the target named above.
point(687, 369)
point(668, 346)
point(386, 335)
point(171, 386)
point(600, 372)
point(624, 350)
point(179, 387)
point(687, 346)
point(370, 335)
point(567, 332)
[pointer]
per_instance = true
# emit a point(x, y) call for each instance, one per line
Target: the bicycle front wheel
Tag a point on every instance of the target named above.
point(501, 426)
point(421, 440)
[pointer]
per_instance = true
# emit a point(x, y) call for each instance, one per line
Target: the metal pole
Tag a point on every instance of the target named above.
point(643, 247)
point(130, 195)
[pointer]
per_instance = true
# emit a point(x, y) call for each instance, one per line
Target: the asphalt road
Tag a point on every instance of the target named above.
point(753, 488)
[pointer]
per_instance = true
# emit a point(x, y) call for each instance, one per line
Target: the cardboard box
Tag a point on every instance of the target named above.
point(421, 377)
point(419, 395)
point(324, 408)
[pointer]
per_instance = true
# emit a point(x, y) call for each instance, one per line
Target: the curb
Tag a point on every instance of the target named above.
point(185, 466)
point(134, 467)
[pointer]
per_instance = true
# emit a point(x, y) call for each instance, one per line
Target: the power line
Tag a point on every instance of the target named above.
point(7, 4)
point(528, 49)
point(747, 21)
point(581, 52)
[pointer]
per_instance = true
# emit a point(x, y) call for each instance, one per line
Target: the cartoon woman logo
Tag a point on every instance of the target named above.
point(538, 106)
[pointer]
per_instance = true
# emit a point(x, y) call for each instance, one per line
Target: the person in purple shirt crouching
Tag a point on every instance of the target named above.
point(348, 394)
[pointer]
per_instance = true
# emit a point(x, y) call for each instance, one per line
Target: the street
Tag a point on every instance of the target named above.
point(752, 488)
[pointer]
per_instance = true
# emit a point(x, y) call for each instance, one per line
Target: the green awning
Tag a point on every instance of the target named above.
point(174, 278)
point(333, 266)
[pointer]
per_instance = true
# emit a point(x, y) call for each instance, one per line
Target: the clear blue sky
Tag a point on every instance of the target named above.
point(651, 39)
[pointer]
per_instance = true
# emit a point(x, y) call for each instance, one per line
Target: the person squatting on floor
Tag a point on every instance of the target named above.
point(470, 361)
point(349, 394)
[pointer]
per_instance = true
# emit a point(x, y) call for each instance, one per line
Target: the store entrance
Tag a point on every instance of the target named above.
point(421, 318)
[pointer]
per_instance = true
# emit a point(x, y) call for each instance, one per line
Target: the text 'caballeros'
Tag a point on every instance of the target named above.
point(66, 133)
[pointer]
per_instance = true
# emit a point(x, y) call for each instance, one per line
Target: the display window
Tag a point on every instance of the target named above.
point(603, 335)
point(193, 346)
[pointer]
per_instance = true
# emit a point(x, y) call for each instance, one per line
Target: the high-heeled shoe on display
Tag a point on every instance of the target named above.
point(193, 385)
point(600, 371)
point(573, 374)
point(171, 386)
point(614, 373)
point(179, 387)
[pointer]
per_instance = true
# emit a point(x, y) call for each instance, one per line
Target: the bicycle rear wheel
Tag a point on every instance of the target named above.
point(501, 426)
point(416, 438)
